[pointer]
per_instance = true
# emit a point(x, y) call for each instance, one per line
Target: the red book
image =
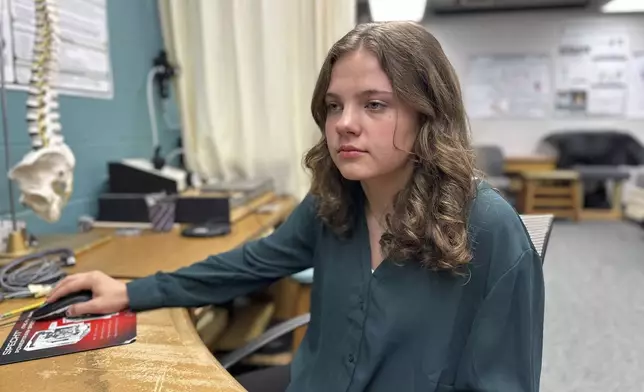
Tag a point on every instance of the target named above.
point(32, 339)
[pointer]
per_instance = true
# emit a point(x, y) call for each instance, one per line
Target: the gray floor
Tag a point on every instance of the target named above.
point(594, 329)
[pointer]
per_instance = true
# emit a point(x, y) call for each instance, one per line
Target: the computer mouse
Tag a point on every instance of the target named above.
point(58, 308)
point(208, 229)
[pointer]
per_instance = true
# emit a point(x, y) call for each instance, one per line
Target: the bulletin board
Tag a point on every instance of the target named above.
point(591, 73)
point(508, 86)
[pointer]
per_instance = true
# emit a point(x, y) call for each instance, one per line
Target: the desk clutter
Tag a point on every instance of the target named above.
point(171, 346)
point(36, 339)
point(139, 195)
point(579, 175)
point(573, 193)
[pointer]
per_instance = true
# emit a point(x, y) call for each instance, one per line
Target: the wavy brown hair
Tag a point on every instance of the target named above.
point(429, 219)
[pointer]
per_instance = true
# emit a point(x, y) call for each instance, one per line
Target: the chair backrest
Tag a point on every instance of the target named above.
point(489, 159)
point(594, 147)
point(639, 181)
point(539, 227)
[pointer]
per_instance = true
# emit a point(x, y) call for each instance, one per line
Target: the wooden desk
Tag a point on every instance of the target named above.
point(168, 353)
point(139, 256)
point(516, 165)
point(556, 192)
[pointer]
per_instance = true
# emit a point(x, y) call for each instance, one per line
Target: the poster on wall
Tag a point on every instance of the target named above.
point(84, 65)
point(607, 101)
point(636, 92)
point(591, 73)
point(572, 101)
point(5, 19)
point(508, 86)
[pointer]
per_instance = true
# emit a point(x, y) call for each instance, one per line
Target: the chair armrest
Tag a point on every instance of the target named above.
point(271, 334)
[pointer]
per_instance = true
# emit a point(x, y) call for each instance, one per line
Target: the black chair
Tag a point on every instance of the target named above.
point(598, 157)
point(489, 160)
point(539, 228)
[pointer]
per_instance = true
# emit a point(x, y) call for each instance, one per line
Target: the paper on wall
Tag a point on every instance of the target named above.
point(508, 86)
point(8, 45)
point(574, 68)
point(607, 102)
point(610, 72)
point(84, 59)
point(636, 92)
point(607, 44)
point(592, 72)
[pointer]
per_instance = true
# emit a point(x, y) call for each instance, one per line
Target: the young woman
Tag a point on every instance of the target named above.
point(425, 278)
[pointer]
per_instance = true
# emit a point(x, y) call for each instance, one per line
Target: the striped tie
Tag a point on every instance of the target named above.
point(161, 212)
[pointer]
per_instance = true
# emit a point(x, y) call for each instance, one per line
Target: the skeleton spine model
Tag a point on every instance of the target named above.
point(42, 117)
point(45, 174)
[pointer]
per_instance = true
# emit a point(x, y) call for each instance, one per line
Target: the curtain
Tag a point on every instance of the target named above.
point(247, 69)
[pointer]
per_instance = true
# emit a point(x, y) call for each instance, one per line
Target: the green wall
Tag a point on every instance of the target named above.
point(99, 130)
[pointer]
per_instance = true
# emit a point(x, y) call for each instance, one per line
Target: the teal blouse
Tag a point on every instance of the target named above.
point(401, 328)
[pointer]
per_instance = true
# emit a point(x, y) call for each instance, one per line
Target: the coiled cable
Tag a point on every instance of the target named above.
point(34, 274)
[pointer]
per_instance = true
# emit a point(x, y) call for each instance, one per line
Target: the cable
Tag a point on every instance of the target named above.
point(173, 154)
point(166, 117)
point(23, 276)
point(151, 107)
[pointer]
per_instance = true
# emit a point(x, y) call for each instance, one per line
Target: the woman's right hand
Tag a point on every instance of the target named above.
point(108, 295)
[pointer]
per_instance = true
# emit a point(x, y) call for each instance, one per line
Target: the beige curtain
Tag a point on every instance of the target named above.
point(247, 72)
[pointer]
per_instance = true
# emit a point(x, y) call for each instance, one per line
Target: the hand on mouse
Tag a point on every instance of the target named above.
point(108, 295)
